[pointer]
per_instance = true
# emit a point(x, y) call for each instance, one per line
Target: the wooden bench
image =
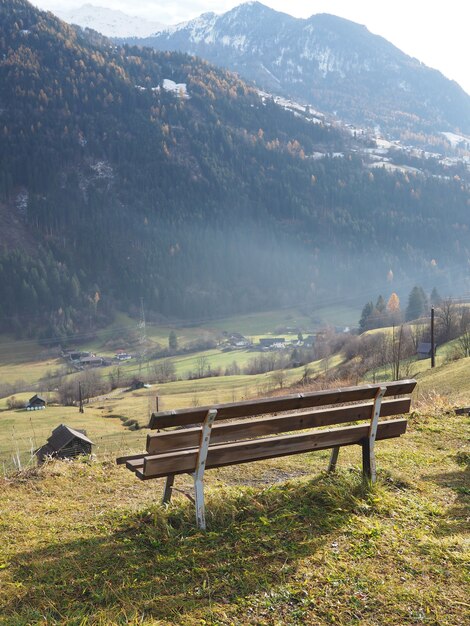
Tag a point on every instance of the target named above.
point(204, 438)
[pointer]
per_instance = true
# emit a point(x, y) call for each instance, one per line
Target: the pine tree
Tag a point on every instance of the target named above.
point(417, 304)
point(173, 341)
point(435, 297)
point(380, 304)
point(365, 315)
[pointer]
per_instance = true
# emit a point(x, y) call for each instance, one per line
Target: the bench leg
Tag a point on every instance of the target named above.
point(367, 456)
point(170, 479)
point(200, 510)
point(333, 459)
point(200, 467)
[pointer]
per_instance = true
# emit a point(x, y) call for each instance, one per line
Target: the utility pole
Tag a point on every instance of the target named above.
point(433, 349)
point(143, 334)
point(80, 401)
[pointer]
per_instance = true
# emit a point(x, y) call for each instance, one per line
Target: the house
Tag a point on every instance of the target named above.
point(424, 350)
point(91, 361)
point(237, 340)
point(137, 384)
point(272, 342)
point(36, 403)
point(309, 341)
point(78, 354)
point(64, 443)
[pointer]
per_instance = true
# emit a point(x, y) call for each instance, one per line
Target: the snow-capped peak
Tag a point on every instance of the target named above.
point(109, 22)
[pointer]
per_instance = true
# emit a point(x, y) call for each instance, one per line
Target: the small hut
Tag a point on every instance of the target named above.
point(35, 403)
point(64, 443)
point(424, 350)
point(136, 384)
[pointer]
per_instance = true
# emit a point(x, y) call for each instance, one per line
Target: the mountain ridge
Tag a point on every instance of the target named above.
point(109, 22)
point(329, 62)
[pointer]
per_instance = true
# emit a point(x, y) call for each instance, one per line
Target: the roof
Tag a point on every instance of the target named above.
point(62, 435)
point(36, 397)
point(424, 347)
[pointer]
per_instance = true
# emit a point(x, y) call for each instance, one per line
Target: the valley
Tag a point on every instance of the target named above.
point(241, 206)
point(205, 367)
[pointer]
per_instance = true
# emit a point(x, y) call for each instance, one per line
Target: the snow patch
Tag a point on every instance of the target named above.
point(102, 170)
point(390, 167)
point(21, 201)
point(455, 140)
point(179, 89)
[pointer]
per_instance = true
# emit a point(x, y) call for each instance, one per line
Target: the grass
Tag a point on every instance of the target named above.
point(23, 431)
point(86, 543)
point(270, 322)
point(452, 379)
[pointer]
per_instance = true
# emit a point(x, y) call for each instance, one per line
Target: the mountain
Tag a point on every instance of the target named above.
point(109, 22)
point(334, 64)
point(127, 173)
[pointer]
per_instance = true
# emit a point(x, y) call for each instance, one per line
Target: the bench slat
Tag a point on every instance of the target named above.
point(273, 447)
point(158, 443)
point(122, 460)
point(248, 408)
point(136, 464)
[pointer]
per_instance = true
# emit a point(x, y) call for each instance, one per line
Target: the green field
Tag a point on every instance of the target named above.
point(269, 322)
point(26, 365)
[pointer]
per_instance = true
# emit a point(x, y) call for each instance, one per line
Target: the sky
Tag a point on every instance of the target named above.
point(436, 32)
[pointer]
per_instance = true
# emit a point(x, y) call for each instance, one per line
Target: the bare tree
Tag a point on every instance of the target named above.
point(164, 371)
point(446, 314)
point(279, 377)
point(115, 377)
point(401, 348)
point(464, 338)
point(202, 364)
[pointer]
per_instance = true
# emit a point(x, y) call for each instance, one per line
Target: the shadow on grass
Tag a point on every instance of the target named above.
point(154, 563)
point(456, 519)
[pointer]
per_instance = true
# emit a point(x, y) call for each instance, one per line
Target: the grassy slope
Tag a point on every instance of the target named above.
point(451, 379)
point(87, 544)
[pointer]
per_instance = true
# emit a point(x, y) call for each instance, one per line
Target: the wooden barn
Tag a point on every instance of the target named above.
point(64, 443)
point(35, 403)
point(424, 350)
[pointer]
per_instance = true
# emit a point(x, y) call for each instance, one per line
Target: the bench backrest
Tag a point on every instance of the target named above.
point(264, 406)
point(182, 443)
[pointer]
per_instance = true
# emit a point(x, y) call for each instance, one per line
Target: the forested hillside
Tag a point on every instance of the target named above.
point(196, 195)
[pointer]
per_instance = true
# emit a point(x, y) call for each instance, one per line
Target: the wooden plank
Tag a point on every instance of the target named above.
point(135, 464)
point(248, 408)
point(123, 459)
point(158, 443)
point(271, 447)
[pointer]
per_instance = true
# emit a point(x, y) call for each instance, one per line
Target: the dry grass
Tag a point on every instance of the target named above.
point(86, 543)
